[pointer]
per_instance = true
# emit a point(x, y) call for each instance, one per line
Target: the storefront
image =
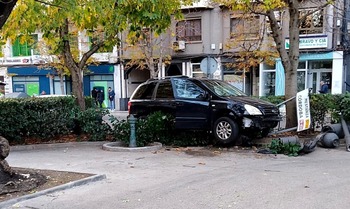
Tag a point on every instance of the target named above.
point(312, 69)
point(33, 80)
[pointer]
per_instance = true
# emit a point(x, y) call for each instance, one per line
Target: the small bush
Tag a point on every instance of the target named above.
point(273, 99)
point(278, 147)
point(90, 122)
point(157, 127)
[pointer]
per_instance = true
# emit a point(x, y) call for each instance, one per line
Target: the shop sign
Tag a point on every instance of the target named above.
point(303, 110)
point(15, 61)
point(310, 42)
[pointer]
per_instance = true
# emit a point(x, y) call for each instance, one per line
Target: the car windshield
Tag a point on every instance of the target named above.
point(223, 89)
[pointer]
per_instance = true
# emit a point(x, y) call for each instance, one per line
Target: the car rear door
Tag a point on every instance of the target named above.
point(141, 102)
point(164, 100)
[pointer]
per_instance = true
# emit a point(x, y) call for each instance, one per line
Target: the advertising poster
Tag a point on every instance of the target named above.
point(303, 110)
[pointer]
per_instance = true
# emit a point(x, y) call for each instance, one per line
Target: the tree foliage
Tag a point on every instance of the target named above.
point(147, 21)
point(290, 57)
point(60, 23)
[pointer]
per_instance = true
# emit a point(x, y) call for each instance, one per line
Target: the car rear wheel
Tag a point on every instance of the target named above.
point(225, 130)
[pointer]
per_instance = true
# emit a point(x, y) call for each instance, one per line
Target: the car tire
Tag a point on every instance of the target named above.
point(225, 130)
point(265, 132)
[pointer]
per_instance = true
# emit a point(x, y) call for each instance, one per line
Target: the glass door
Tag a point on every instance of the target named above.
point(321, 75)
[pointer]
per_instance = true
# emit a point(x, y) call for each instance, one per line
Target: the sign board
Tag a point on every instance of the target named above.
point(209, 65)
point(310, 42)
point(303, 110)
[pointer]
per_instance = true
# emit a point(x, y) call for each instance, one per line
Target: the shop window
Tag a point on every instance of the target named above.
point(269, 80)
point(24, 48)
point(101, 77)
point(320, 64)
point(189, 30)
point(301, 84)
point(302, 65)
point(248, 27)
point(312, 23)
point(58, 85)
point(269, 67)
point(233, 76)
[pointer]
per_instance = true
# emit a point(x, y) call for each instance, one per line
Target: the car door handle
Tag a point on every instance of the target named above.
point(179, 104)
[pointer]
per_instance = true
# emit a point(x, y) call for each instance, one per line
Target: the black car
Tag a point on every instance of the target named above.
point(205, 104)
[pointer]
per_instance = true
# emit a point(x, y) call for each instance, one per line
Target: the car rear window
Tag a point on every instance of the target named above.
point(165, 90)
point(145, 91)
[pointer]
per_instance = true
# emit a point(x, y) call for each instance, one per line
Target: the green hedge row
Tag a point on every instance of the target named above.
point(45, 118)
point(336, 105)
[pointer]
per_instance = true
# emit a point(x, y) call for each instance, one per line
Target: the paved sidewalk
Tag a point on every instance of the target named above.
point(173, 179)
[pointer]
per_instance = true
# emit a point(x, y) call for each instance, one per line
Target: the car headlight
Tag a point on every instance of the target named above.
point(251, 110)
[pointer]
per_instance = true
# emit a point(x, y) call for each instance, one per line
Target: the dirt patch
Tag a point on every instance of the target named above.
point(29, 181)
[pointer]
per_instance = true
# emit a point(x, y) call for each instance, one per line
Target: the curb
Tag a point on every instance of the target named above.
point(54, 145)
point(53, 189)
point(118, 147)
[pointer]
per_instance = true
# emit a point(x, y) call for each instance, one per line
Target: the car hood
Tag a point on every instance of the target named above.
point(250, 100)
point(266, 107)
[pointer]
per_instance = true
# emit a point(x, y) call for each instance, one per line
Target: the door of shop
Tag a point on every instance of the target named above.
point(316, 76)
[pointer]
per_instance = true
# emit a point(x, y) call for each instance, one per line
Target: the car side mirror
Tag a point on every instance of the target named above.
point(203, 96)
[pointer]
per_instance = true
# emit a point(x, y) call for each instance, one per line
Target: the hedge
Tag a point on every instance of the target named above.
point(45, 118)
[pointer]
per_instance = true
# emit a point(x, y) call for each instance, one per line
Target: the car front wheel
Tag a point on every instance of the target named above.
point(225, 130)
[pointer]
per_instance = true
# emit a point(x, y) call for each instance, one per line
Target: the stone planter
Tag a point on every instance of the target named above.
point(121, 147)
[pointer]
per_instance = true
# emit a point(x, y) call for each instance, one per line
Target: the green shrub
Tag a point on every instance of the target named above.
point(273, 99)
point(157, 127)
point(36, 117)
point(45, 118)
point(90, 122)
point(120, 129)
point(278, 147)
point(344, 106)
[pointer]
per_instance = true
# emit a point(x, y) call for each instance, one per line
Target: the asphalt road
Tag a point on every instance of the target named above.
point(174, 179)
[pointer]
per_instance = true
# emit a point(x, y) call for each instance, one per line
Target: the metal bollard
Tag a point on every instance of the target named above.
point(132, 120)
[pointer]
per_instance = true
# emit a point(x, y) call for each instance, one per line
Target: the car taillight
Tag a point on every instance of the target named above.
point(129, 106)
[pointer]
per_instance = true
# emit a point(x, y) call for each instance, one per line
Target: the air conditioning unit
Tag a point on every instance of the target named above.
point(179, 45)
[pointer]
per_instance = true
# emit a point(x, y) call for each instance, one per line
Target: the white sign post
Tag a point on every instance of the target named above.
point(303, 110)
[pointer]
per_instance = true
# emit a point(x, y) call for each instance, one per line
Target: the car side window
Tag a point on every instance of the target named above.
point(187, 89)
point(165, 90)
point(145, 91)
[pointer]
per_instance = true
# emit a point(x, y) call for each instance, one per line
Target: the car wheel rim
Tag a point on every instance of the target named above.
point(224, 130)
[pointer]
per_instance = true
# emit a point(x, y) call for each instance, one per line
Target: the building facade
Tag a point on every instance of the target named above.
point(201, 47)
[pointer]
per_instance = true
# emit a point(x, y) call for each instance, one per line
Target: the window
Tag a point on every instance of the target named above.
point(313, 23)
point(20, 48)
point(268, 87)
point(248, 27)
point(187, 90)
point(189, 30)
point(197, 72)
point(165, 90)
point(145, 91)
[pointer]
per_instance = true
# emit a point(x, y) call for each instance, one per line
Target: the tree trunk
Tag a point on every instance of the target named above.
point(5, 169)
point(152, 69)
point(291, 69)
point(77, 85)
point(75, 70)
point(289, 58)
point(6, 7)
